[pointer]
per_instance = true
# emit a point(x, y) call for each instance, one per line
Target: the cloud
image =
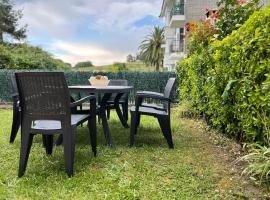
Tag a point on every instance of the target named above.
point(49, 18)
point(121, 15)
point(107, 26)
point(75, 52)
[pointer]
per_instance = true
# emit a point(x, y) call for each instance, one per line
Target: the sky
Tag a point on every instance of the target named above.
point(102, 31)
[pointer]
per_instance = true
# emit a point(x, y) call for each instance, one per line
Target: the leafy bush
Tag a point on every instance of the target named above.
point(229, 81)
point(119, 67)
point(233, 13)
point(23, 56)
point(258, 164)
point(200, 34)
point(84, 64)
point(5, 57)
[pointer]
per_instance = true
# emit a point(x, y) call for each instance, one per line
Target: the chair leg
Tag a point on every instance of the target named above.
point(92, 125)
point(138, 121)
point(108, 113)
point(93, 134)
point(105, 127)
point(15, 124)
point(44, 141)
point(125, 110)
point(121, 116)
point(48, 144)
point(165, 126)
point(69, 149)
point(133, 129)
point(59, 140)
point(26, 143)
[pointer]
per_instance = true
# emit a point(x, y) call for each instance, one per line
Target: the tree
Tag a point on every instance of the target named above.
point(84, 64)
point(130, 58)
point(25, 56)
point(151, 51)
point(9, 21)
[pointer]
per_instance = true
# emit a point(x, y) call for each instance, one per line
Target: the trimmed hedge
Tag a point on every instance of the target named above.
point(229, 81)
point(152, 81)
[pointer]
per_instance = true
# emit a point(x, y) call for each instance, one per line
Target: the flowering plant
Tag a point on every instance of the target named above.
point(199, 34)
point(220, 22)
point(233, 14)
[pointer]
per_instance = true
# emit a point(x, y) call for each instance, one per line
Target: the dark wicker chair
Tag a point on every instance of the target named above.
point(162, 113)
point(46, 109)
point(16, 121)
point(123, 101)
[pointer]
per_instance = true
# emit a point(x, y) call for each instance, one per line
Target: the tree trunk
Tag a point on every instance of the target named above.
point(157, 67)
point(1, 37)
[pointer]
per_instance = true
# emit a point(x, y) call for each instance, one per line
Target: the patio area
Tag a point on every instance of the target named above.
point(199, 167)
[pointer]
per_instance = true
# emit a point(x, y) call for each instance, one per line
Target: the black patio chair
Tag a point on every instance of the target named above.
point(162, 113)
point(46, 109)
point(16, 121)
point(123, 101)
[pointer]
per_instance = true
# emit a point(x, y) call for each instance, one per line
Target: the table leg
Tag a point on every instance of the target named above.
point(118, 110)
point(102, 114)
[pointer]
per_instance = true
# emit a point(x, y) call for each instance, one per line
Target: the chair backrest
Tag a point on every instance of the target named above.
point(169, 87)
point(14, 84)
point(44, 95)
point(168, 91)
point(118, 82)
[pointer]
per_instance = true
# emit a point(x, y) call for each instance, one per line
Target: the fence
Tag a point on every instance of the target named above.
point(151, 81)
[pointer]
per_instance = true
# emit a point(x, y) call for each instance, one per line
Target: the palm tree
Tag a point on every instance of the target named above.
point(151, 50)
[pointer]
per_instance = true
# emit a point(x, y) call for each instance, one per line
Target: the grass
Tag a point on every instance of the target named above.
point(134, 66)
point(195, 169)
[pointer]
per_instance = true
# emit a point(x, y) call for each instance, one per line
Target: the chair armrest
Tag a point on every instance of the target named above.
point(149, 93)
point(155, 106)
point(152, 95)
point(15, 94)
point(79, 102)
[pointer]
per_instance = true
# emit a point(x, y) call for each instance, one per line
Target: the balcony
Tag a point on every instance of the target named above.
point(177, 49)
point(177, 46)
point(177, 16)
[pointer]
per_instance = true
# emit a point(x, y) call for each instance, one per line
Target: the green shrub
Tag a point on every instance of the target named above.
point(5, 57)
point(119, 67)
point(229, 81)
point(258, 164)
point(84, 64)
point(23, 56)
point(233, 14)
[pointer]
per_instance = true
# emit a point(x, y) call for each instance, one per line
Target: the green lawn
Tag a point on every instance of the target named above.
point(135, 66)
point(196, 169)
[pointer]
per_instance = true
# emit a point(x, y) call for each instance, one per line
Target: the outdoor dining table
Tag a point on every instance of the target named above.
point(106, 92)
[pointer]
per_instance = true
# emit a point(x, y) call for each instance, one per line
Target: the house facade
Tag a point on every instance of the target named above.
point(176, 14)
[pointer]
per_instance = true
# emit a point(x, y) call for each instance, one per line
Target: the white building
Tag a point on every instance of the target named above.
point(176, 14)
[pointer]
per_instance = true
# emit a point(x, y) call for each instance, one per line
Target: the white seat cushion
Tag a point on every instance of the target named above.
point(148, 110)
point(56, 125)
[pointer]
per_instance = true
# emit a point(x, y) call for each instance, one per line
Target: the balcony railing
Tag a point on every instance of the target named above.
point(178, 9)
point(177, 46)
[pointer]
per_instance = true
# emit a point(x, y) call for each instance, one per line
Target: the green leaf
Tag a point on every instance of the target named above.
point(229, 86)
